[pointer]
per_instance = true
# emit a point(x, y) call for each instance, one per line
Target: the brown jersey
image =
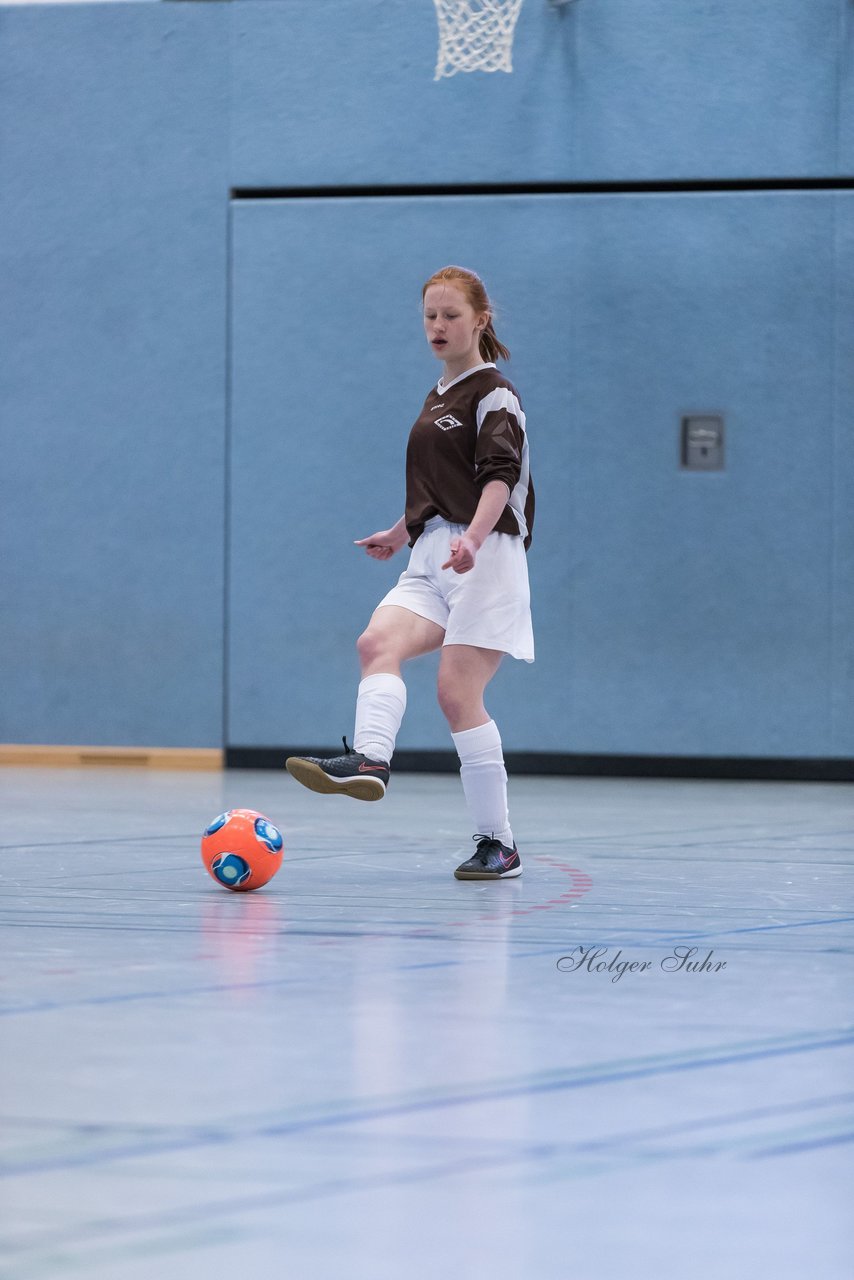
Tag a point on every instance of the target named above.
point(470, 431)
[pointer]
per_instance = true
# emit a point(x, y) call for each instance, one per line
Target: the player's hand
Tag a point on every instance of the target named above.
point(380, 546)
point(463, 554)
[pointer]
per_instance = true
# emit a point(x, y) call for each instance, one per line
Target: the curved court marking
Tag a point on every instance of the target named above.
point(580, 884)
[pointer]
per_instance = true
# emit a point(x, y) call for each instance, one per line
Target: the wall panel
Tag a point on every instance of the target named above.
point(112, 342)
point(676, 613)
point(601, 90)
point(702, 620)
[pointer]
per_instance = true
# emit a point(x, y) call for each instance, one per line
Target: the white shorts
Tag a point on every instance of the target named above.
point(488, 607)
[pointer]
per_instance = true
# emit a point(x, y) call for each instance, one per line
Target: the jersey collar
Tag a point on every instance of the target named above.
point(442, 387)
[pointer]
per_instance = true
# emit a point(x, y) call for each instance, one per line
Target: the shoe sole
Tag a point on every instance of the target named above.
point(313, 777)
point(487, 875)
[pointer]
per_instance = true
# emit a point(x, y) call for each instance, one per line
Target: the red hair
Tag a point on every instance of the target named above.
point(473, 287)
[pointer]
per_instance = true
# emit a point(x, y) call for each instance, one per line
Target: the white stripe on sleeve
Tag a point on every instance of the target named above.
point(500, 398)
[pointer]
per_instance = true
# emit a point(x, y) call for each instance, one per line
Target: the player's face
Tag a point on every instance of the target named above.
point(452, 326)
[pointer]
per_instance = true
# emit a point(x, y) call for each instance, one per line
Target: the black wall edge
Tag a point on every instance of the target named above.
point(551, 764)
point(659, 186)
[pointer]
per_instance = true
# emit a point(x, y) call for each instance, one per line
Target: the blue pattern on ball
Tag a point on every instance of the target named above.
point(230, 870)
point(269, 835)
point(218, 822)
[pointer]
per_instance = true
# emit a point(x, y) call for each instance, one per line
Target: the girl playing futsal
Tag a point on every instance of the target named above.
point(468, 519)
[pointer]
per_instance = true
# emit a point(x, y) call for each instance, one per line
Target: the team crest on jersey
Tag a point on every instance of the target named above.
point(448, 422)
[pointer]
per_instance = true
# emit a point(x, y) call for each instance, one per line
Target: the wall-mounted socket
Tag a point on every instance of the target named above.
point(702, 442)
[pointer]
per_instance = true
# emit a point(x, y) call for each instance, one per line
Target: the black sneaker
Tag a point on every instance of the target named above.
point(492, 861)
point(349, 775)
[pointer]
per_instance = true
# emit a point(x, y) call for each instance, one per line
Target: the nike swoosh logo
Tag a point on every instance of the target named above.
point(371, 768)
point(505, 861)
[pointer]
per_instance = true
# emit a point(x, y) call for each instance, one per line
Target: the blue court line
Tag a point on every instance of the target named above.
point(213, 1211)
point(81, 1129)
point(709, 1122)
point(726, 933)
point(576, 1079)
point(93, 1234)
point(794, 1148)
point(85, 841)
point(762, 928)
point(418, 933)
point(650, 939)
point(580, 1081)
point(190, 924)
point(130, 997)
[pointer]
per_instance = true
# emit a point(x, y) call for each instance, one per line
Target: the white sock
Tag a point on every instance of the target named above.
point(485, 780)
point(379, 710)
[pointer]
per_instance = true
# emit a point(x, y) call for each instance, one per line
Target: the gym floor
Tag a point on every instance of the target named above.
point(370, 1070)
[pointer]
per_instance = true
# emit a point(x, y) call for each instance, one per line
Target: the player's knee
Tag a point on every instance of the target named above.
point(371, 645)
point(366, 646)
point(453, 698)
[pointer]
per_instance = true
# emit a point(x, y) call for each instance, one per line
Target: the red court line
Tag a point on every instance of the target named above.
point(580, 884)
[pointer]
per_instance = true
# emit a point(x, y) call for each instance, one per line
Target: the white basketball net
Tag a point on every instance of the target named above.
point(475, 35)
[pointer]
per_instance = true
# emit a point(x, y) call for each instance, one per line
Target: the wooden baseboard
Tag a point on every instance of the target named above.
point(121, 757)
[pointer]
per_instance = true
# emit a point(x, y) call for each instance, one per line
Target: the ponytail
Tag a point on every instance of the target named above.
point(490, 348)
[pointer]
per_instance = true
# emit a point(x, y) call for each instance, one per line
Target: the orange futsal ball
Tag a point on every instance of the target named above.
point(242, 849)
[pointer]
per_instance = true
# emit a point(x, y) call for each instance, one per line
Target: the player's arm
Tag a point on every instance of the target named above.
point(464, 549)
point(382, 545)
point(497, 469)
point(492, 502)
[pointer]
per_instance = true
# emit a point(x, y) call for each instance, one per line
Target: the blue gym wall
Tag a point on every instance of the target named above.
point(113, 236)
point(206, 400)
